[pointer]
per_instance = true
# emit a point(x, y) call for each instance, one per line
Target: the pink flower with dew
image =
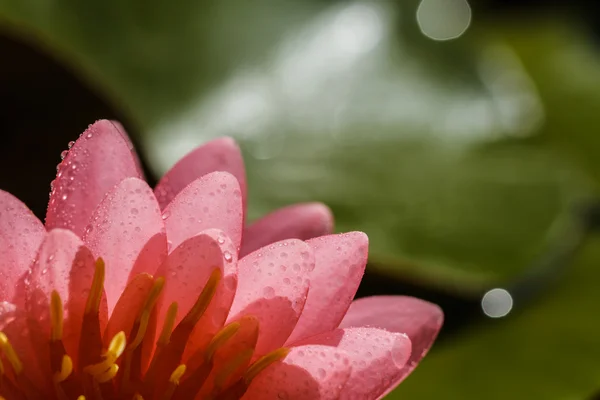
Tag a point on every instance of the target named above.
point(130, 293)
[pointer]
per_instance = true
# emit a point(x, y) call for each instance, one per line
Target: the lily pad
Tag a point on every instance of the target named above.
point(338, 102)
point(548, 351)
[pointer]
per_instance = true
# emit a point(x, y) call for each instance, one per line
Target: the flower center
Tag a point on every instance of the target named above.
point(220, 371)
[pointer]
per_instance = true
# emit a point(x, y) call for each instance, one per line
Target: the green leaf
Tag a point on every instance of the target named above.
point(431, 148)
point(546, 351)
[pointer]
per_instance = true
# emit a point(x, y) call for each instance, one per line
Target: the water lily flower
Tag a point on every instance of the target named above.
point(132, 293)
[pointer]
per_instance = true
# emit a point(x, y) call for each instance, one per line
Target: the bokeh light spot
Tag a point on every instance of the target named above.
point(443, 19)
point(497, 303)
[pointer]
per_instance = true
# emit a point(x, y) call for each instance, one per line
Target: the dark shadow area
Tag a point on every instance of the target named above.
point(43, 106)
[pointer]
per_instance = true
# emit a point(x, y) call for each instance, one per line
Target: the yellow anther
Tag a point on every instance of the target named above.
point(167, 329)
point(108, 374)
point(177, 374)
point(204, 299)
point(145, 317)
point(220, 338)
point(93, 301)
point(65, 370)
point(137, 396)
point(82, 397)
point(10, 354)
point(56, 316)
point(117, 345)
point(157, 288)
point(264, 362)
point(115, 349)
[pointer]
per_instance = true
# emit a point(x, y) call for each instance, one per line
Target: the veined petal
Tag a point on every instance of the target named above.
point(298, 221)
point(307, 373)
point(119, 230)
point(98, 160)
point(213, 201)
point(377, 358)
point(418, 319)
point(187, 270)
point(272, 285)
point(63, 264)
point(221, 154)
point(21, 234)
point(339, 266)
point(121, 129)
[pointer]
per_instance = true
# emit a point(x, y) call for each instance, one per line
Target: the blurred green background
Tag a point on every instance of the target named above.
point(460, 136)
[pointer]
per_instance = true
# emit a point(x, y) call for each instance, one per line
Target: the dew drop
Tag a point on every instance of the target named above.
point(227, 256)
point(71, 143)
point(269, 292)
point(221, 240)
point(89, 135)
point(63, 154)
point(166, 215)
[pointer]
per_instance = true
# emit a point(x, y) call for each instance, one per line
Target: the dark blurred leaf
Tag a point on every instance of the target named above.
point(335, 103)
point(549, 351)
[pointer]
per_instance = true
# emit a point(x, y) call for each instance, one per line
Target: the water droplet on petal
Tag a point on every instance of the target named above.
point(269, 292)
point(71, 143)
point(227, 256)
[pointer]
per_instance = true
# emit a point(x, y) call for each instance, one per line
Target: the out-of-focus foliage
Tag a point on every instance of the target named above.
point(549, 351)
point(457, 158)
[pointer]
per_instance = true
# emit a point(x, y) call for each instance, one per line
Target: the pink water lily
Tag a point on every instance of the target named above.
point(132, 293)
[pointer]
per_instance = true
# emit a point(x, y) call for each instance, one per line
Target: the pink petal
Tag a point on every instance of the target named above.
point(187, 270)
point(98, 160)
point(21, 234)
point(377, 358)
point(63, 264)
point(119, 231)
point(272, 285)
point(298, 221)
point(340, 264)
point(307, 373)
point(125, 137)
point(418, 319)
point(221, 154)
point(213, 201)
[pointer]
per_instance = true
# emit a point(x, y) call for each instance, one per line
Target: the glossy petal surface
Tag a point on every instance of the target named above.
point(99, 160)
point(298, 221)
point(339, 266)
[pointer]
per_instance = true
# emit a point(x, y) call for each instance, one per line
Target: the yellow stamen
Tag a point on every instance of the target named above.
point(203, 301)
point(93, 301)
point(220, 338)
point(108, 374)
point(65, 370)
point(242, 358)
point(264, 362)
point(10, 354)
point(115, 349)
point(56, 316)
point(137, 396)
point(144, 317)
point(165, 334)
point(157, 288)
point(82, 397)
point(177, 374)
point(141, 330)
